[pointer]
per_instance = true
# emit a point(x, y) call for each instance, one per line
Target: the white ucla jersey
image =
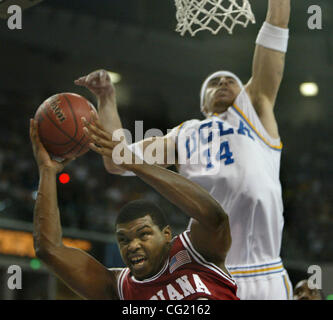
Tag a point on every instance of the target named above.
point(232, 156)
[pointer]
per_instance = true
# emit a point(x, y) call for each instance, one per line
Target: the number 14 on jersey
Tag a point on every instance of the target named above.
point(223, 154)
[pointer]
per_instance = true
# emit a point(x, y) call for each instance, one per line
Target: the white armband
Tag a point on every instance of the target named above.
point(273, 37)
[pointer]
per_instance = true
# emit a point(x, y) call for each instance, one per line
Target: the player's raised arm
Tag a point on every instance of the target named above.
point(210, 232)
point(81, 272)
point(269, 61)
point(99, 83)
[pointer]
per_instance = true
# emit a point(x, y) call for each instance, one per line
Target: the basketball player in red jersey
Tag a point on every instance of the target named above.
point(159, 267)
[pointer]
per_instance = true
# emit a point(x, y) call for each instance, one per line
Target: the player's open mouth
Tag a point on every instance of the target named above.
point(138, 261)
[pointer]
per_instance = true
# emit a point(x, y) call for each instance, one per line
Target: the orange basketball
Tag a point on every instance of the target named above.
point(60, 127)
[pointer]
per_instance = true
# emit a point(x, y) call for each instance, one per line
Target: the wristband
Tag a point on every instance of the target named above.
point(273, 37)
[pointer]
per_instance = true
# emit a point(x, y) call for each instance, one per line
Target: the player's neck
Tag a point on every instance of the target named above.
point(218, 111)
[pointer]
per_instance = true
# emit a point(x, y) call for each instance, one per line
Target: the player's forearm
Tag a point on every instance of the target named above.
point(108, 113)
point(278, 13)
point(47, 229)
point(110, 120)
point(185, 194)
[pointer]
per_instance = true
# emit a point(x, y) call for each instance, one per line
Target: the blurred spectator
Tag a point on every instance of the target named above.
point(303, 292)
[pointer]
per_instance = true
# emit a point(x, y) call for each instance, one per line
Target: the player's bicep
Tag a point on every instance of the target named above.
point(212, 244)
point(82, 273)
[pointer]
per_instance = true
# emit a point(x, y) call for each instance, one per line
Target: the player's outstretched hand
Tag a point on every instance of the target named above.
point(42, 157)
point(98, 82)
point(106, 144)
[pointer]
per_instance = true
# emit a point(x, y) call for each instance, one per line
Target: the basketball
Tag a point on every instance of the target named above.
point(60, 127)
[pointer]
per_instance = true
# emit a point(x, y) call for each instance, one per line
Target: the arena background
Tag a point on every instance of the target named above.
point(161, 76)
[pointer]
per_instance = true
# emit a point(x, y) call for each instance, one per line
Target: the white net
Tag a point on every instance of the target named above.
point(213, 15)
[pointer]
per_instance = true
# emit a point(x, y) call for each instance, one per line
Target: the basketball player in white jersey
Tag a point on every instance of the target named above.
point(237, 149)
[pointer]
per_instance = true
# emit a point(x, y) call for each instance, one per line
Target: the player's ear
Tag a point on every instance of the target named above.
point(167, 233)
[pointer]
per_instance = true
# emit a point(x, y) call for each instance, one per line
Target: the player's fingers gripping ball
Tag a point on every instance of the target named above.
point(97, 134)
point(60, 127)
point(105, 143)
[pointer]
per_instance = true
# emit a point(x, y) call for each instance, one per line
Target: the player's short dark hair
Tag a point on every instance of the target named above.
point(140, 208)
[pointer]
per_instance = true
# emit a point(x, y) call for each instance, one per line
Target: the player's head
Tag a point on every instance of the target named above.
point(219, 91)
point(303, 292)
point(144, 238)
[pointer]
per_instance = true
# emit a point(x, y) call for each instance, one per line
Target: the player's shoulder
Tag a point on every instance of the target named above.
point(192, 123)
point(186, 123)
point(177, 243)
point(180, 128)
point(116, 272)
point(115, 277)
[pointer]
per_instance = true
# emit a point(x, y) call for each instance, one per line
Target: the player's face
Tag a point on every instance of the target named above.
point(303, 292)
point(143, 246)
point(220, 94)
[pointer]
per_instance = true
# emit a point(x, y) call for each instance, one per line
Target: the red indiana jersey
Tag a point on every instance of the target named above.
point(186, 275)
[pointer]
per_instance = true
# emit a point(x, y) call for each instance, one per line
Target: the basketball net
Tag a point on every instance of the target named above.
point(213, 15)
